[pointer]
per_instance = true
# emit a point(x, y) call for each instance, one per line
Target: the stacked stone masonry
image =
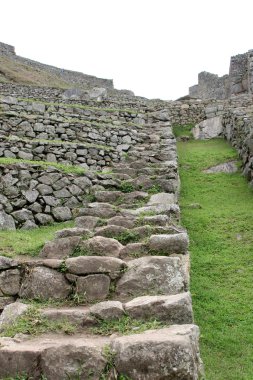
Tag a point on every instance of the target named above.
point(238, 81)
point(126, 257)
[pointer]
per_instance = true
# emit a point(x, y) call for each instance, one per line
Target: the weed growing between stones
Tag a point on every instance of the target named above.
point(125, 326)
point(33, 323)
point(127, 237)
point(154, 189)
point(126, 187)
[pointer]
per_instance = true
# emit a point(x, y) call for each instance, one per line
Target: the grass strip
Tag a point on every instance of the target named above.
point(221, 247)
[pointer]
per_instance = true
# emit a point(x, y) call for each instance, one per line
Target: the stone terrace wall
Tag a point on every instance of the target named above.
point(32, 194)
point(238, 129)
point(59, 133)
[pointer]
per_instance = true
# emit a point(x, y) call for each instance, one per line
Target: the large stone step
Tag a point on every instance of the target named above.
point(168, 353)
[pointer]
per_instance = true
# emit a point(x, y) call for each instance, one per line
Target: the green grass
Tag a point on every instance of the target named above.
point(221, 258)
point(33, 323)
point(29, 242)
point(183, 130)
point(64, 168)
point(125, 326)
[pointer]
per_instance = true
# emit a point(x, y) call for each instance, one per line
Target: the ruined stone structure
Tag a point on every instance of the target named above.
point(110, 166)
point(238, 81)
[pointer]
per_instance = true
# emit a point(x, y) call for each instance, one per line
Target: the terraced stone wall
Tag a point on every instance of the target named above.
point(33, 195)
point(238, 129)
point(93, 138)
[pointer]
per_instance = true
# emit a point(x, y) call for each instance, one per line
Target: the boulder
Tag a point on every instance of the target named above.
point(44, 283)
point(162, 198)
point(75, 231)
point(93, 287)
point(107, 310)
point(153, 275)
point(208, 129)
point(92, 264)
point(23, 215)
point(44, 219)
point(74, 360)
point(6, 221)
point(6, 263)
point(10, 282)
point(4, 301)
point(169, 353)
point(60, 248)
point(88, 222)
point(101, 246)
point(175, 309)
point(29, 225)
point(31, 195)
point(11, 313)
point(61, 214)
point(168, 244)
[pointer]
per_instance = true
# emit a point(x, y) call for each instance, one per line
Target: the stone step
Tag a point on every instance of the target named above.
point(168, 309)
point(170, 353)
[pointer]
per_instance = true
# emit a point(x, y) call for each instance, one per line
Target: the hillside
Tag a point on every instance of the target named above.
point(16, 69)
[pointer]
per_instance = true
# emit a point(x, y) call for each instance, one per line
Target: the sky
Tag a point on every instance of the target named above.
point(155, 48)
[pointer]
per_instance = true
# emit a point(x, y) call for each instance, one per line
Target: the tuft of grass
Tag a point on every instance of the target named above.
point(125, 326)
point(221, 257)
point(183, 130)
point(28, 242)
point(126, 187)
point(154, 189)
point(128, 237)
point(65, 168)
point(33, 323)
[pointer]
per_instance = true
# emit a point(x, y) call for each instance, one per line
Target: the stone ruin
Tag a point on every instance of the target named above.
point(110, 165)
point(239, 80)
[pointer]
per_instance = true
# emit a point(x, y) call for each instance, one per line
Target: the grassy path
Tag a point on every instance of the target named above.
point(221, 234)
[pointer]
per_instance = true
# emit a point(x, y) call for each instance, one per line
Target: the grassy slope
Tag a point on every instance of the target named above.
point(13, 243)
point(222, 257)
point(13, 71)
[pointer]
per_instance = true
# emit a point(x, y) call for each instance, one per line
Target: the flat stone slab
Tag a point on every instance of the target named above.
point(162, 198)
point(175, 309)
point(93, 264)
point(55, 356)
point(168, 244)
point(169, 353)
point(226, 167)
point(108, 310)
point(79, 316)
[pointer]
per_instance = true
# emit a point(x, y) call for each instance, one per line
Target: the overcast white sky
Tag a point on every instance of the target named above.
point(155, 48)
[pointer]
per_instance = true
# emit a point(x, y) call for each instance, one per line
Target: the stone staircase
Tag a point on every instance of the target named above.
point(108, 298)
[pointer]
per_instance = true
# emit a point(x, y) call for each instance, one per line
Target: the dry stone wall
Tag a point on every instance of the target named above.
point(238, 81)
point(238, 129)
